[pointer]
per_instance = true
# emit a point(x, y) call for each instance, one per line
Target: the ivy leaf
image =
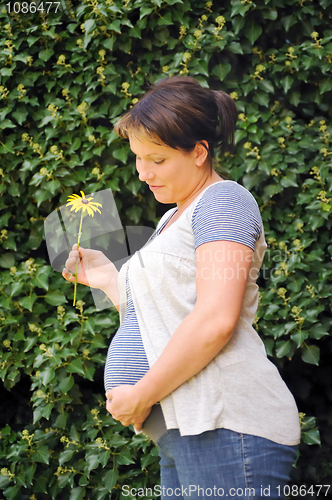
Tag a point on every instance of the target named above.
point(27, 302)
point(271, 14)
point(235, 47)
point(239, 8)
point(4, 481)
point(253, 32)
point(41, 455)
point(76, 366)
point(134, 213)
point(7, 260)
point(145, 11)
point(165, 20)
point(42, 195)
point(318, 331)
point(109, 479)
point(121, 154)
point(262, 99)
point(325, 85)
point(89, 26)
point(311, 354)
point(239, 135)
point(288, 21)
point(92, 462)
point(12, 491)
point(124, 457)
point(45, 55)
point(47, 375)
point(65, 456)
point(30, 473)
point(77, 493)
point(7, 124)
point(55, 298)
point(66, 384)
point(221, 70)
point(311, 436)
point(299, 338)
point(283, 347)
point(266, 85)
point(110, 42)
point(286, 83)
point(41, 278)
point(61, 422)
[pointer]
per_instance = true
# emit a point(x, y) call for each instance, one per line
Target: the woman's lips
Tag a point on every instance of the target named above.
point(155, 187)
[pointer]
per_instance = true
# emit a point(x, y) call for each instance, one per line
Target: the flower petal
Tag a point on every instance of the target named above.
point(96, 209)
point(74, 203)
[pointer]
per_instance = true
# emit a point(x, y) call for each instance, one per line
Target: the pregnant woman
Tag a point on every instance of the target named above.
point(186, 367)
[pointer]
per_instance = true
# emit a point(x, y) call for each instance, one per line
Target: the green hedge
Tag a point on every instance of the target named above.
point(65, 78)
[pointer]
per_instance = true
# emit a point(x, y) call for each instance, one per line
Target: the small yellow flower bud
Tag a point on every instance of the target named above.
point(186, 57)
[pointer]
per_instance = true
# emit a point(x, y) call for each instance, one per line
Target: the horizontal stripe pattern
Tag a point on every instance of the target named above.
point(126, 361)
point(227, 211)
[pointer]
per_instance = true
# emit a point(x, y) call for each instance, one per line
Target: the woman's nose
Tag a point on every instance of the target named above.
point(144, 172)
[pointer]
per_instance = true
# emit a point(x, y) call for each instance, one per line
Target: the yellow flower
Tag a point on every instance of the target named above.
point(83, 204)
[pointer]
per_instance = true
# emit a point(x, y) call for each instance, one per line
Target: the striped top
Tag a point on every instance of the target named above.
point(230, 214)
point(126, 361)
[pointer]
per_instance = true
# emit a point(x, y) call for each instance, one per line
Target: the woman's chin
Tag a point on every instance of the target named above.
point(162, 198)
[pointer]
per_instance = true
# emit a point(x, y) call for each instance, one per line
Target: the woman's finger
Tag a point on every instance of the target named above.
point(66, 273)
point(125, 422)
point(74, 247)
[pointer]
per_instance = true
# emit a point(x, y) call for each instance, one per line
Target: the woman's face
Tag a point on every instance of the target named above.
point(173, 175)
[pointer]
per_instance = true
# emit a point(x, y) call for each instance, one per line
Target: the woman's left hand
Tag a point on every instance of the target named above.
point(125, 404)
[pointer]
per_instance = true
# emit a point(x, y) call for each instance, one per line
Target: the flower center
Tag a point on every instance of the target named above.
point(85, 202)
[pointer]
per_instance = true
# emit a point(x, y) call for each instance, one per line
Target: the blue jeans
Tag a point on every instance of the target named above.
point(223, 463)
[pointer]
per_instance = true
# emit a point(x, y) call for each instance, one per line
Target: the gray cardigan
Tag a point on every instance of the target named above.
point(240, 389)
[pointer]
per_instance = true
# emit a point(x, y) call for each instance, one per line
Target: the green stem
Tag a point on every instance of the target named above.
point(78, 246)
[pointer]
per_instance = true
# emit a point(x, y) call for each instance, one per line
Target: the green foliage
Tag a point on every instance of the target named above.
point(65, 78)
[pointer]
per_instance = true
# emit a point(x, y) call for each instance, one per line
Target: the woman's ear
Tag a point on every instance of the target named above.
point(202, 149)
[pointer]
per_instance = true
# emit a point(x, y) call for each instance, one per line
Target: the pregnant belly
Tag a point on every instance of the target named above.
point(126, 361)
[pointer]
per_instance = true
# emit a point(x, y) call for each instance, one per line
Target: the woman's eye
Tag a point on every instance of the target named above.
point(156, 162)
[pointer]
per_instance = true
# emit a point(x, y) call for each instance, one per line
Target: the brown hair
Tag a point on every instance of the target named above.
point(179, 112)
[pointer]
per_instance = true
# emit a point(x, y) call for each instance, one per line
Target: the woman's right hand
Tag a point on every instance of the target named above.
point(94, 268)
